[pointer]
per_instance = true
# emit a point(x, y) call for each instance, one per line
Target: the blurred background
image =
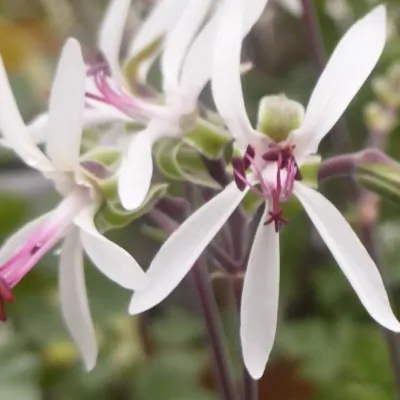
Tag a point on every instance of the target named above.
point(327, 347)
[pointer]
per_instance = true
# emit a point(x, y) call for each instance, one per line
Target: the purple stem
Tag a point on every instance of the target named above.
point(209, 309)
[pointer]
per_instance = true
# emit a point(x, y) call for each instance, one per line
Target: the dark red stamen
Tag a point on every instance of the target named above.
point(239, 172)
point(276, 217)
point(248, 156)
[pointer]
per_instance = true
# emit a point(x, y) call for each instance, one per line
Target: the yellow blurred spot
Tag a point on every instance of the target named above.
point(21, 53)
point(60, 353)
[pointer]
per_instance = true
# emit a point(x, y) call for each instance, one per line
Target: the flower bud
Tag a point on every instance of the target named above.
point(387, 87)
point(278, 116)
point(379, 118)
point(381, 176)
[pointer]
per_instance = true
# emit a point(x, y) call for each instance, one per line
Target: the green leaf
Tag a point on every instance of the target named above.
point(112, 215)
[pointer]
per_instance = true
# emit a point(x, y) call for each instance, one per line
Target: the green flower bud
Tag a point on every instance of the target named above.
point(278, 116)
point(380, 176)
point(387, 87)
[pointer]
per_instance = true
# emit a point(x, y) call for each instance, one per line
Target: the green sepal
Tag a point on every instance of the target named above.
point(100, 166)
point(178, 161)
point(251, 203)
point(208, 139)
point(381, 179)
point(158, 235)
point(309, 171)
point(131, 67)
point(107, 156)
point(112, 215)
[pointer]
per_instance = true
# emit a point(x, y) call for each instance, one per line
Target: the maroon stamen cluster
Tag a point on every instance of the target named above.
point(284, 158)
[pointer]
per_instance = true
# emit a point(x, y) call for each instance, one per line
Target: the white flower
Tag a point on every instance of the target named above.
point(275, 168)
point(162, 18)
point(72, 219)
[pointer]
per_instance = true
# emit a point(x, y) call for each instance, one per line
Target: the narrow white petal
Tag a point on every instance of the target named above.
point(74, 301)
point(259, 309)
point(16, 135)
point(349, 66)
point(350, 254)
point(92, 117)
point(111, 31)
point(12, 244)
point(226, 83)
point(197, 67)
point(178, 254)
point(162, 18)
point(178, 41)
point(136, 171)
point(67, 99)
point(112, 260)
point(37, 128)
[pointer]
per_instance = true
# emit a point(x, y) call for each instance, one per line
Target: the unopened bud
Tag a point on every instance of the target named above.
point(387, 87)
point(278, 116)
point(380, 174)
point(379, 118)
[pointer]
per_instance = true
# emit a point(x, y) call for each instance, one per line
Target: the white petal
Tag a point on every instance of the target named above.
point(11, 245)
point(349, 66)
point(111, 31)
point(226, 83)
point(136, 171)
point(92, 117)
point(260, 296)
point(162, 18)
point(37, 128)
point(112, 260)
point(178, 41)
point(67, 99)
point(13, 129)
point(178, 254)
point(74, 301)
point(350, 254)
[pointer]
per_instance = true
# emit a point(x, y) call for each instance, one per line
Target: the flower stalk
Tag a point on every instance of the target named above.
point(209, 310)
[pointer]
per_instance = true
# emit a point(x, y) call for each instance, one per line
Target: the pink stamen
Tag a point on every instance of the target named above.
point(41, 240)
point(110, 92)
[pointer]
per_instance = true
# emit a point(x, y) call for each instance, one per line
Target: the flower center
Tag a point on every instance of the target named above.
point(275, 170)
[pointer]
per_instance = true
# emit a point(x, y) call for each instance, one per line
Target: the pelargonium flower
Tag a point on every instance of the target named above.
point(101, 73)
point(271, 169)
point(73, 219)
